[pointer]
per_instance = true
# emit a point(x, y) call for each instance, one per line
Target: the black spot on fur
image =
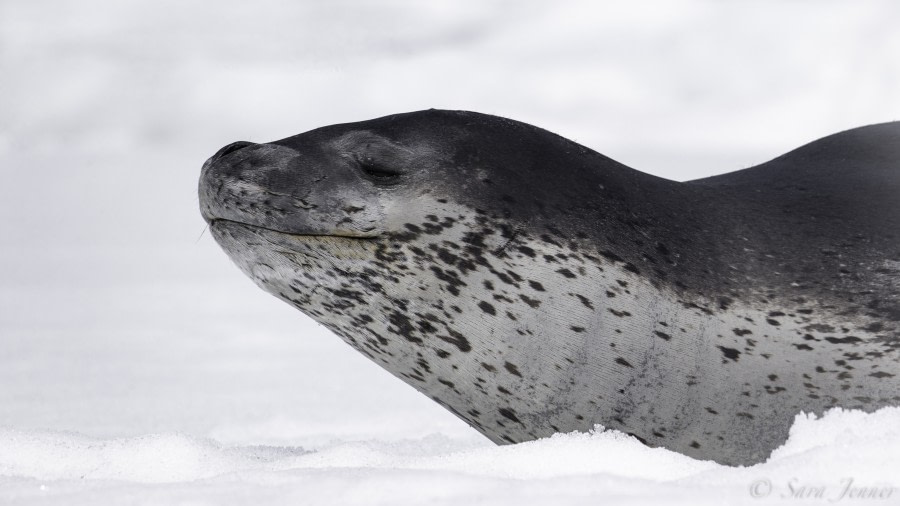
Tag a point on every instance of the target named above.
point(622, 361)
point(536, 286)
point(874, 327)
point(404, 327)
point(447, 257)
point(843, 340)
point(639, 438)
point(528, 300)
point(525, 250)
point(512, 369)
point(567, 273)
point(730, 353)
point(487, 308)
point(585, 301)
point(509, 414)
point(457, 339)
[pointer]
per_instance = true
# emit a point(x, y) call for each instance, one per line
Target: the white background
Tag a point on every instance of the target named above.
point(120, 318)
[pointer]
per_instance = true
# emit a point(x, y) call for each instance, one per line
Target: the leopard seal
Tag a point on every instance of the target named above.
point(531, 285)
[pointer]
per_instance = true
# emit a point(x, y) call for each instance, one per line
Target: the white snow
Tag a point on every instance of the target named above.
point(819, 459)
point(137, 366)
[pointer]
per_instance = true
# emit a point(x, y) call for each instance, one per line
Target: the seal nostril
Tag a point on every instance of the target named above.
point(231, 148)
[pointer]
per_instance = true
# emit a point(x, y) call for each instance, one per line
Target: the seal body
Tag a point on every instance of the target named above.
point(531, 285)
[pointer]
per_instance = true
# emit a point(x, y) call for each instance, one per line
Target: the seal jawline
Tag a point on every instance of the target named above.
point(213, 221)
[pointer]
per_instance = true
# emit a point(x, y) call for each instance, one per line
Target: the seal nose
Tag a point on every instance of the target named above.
point(231, 148)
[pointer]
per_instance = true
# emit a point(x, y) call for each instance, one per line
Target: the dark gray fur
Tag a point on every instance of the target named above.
point(531, 285)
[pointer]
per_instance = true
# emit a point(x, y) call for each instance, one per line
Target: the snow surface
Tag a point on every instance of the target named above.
point(820, 456)
point(137, 366)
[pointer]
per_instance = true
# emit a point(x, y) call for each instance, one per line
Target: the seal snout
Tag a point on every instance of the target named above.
point(279, 188)
point(212, 182)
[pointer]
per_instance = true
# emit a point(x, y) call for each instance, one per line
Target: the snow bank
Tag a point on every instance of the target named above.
point(152, 458)
point(832, 456)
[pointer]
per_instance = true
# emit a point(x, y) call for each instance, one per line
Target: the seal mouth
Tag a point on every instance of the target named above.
point(212, 222)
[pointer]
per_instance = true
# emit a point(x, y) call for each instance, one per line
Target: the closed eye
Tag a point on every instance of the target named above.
point(378, 172)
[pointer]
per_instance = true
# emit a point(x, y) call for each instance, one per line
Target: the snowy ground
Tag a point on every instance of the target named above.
point(137, 366)
point(845, 457)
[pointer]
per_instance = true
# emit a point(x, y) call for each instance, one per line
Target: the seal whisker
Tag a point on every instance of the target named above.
point(205, 227)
